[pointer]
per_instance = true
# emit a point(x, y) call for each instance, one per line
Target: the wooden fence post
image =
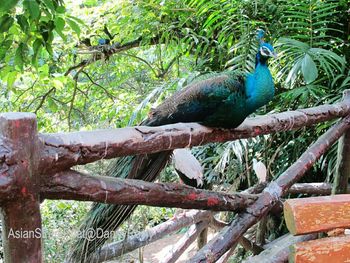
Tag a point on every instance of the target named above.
point(21, 221)
point(342, 173)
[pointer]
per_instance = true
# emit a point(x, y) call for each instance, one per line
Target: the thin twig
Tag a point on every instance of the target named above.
point(43, 98)
point(143, 60)
point(100, 86)
point(73, 97)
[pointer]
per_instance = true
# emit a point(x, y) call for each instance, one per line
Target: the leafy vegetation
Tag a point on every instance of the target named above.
point(87, 64)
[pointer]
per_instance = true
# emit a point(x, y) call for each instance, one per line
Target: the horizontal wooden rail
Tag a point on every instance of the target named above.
point(73, 185)
point(63, 150)
point(312, 189)
point(331, 249)
point(317, 214)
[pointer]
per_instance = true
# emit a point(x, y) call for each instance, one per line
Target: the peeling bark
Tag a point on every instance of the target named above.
point(229, 236)
point(21, 219)
point(72, 185)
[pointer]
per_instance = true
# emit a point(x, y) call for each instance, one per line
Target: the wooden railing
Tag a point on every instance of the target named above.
point(36, 166)
point(331, 215)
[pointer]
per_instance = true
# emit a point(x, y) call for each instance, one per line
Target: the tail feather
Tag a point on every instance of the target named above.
point(110, 217)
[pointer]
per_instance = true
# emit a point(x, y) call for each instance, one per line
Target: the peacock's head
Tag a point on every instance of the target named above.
point(266, 51)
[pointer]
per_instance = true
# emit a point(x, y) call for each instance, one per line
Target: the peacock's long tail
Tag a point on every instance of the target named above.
point(109, 217)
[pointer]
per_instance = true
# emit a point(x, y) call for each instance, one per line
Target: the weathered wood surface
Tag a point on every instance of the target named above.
point(185, 241)
point(229, 236)
point(73, 185)
point(317, 214)
point(21, 221)
point(63, 151)
point(278, 250)
point(324, 250)
point(312, 188)
point(141, 239)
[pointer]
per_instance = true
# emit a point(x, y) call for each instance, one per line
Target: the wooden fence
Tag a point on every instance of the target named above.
point(35, 166)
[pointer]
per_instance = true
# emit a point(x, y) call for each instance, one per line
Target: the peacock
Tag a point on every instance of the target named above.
point(216, 100)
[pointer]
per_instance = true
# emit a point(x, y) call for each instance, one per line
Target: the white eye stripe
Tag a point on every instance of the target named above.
point(265, 51)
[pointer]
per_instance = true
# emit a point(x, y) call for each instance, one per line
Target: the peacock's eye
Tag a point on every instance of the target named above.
point(265, 51)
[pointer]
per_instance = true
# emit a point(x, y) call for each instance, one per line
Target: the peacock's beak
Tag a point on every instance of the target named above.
point(273, 54)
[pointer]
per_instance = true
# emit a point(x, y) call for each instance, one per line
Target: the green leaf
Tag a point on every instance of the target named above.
point(52, 105)
point(59, 23)
point(33, 7)
point(90, 3)
point(7, 5)
point(23, 23)
point(6, 22)
point(11, 78)
point(60, 10)
point(309, 69)
point(74, 26)
point(58, 84)
point(37, 45)
point(21, 55)
point(49, 4)
point(49, 48)
point(59, 26)
point(5, 45)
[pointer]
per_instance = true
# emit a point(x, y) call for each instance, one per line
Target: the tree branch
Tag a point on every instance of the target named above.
point(109, 95)
point(43, 98)
point(106, 51)
point(143, 60)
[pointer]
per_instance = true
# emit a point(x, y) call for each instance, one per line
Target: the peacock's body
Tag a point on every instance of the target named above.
point(218, 100)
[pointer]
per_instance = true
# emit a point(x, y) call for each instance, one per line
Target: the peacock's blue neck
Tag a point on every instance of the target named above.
point(259, 87)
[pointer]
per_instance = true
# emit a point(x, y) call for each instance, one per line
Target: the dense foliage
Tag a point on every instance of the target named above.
point(95, 64)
